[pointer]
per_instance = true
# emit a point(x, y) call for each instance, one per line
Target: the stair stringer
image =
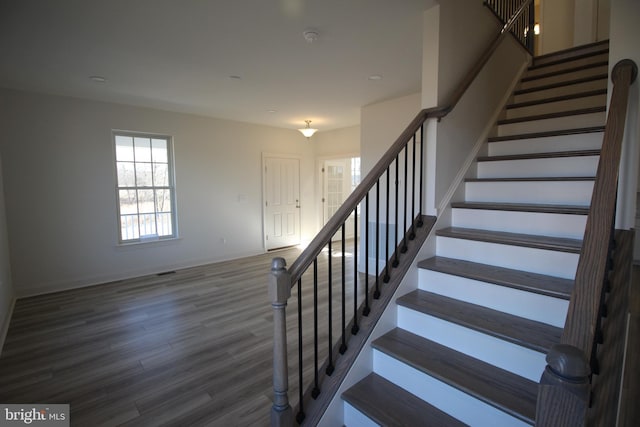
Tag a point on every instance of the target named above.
point(363, 365)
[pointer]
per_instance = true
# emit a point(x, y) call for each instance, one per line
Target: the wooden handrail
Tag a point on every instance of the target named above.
point(565, 386)
point(582, 316)
point(305, 259)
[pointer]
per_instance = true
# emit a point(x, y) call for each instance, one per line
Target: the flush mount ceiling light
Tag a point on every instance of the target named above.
point(308, 131)
point(310, 35)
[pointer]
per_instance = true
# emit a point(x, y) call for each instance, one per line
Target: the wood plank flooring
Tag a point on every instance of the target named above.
point(193, 347)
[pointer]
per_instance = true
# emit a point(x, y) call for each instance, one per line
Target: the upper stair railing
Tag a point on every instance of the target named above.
point(567, 388)
point(523, 26)
point(390, 198)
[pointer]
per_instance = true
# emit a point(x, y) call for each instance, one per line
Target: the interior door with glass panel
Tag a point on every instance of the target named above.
point(340, 177)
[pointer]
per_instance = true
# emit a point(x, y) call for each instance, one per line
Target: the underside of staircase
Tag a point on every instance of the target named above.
point(470, 342)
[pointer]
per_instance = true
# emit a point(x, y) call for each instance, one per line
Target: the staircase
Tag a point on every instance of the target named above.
point(470, 342)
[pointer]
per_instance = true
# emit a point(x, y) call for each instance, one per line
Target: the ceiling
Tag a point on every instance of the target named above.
point(243, 60)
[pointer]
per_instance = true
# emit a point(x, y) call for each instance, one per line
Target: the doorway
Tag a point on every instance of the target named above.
point(339, 178)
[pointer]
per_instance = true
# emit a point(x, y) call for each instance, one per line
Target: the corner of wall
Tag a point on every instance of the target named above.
point(4, 326)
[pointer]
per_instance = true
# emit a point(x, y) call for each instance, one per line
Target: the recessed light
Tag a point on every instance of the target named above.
point(272, 111)
point(375, 77)
point(234, 77)
point(98, 79)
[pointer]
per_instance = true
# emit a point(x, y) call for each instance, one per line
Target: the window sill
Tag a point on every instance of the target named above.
point(150, 242)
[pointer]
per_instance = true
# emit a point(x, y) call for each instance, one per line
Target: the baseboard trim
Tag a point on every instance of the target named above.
point(68, 285)
point(5, 323)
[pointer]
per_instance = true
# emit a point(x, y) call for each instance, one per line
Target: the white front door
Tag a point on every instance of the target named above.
point(281, 202)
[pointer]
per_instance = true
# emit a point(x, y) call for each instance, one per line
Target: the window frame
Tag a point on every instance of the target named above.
point(171, 186)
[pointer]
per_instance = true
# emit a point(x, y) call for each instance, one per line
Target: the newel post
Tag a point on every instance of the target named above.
point(563, 393)
point(279, 293)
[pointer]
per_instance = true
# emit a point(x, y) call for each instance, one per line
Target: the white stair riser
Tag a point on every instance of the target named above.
point(558, 106)
point(443, 396)
point(533, 306)
point(573, 75)
point(544, 224)
point(503, 354)
point(579, 166)
point(549, 192)
point(355, 418)
point(564, 65)
point(583, 141)
point(552, 263)
point(560, 91)
point(556, 123)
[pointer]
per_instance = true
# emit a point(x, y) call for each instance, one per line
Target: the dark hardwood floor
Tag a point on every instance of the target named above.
point(192, 347)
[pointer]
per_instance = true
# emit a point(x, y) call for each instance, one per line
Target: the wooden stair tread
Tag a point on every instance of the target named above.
point(527, 333)
point(568, 97)
point(526, 281)
point(573, 49)
point(533, 179)
point(553, 115)
point(561, 84)
point(565, 71)
point(560, 244)
point(504, 390)
point(547, 134)
point(523, 207)
point(390, 405)
point(537, 64)
point(549, 155)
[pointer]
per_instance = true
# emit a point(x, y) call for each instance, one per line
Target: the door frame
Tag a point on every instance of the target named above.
point(266, 155)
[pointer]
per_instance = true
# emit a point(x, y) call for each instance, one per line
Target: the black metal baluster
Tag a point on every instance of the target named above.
point(420, 222)
point(404, 212)
point(300, 415)
point(355, 328)
point(316, 388)
point(412, 235)
point(386, 242)
point(367, 309)
point(532, 28)
point(343, 346)
point(330, 366)
point(376, 293)
point(396, 244)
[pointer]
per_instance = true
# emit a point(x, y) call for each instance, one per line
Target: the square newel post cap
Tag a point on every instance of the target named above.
point(279, 281)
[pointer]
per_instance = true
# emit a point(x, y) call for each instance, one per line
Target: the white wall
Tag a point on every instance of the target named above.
point(591, 21)
point(556, 25)
point(460, 131)
point(454, 54)
point(604, 19)
point(6, 287)
point(381, 124)
point(336, 143)
point(624, 37)
point(60, 189)
point(462, 29)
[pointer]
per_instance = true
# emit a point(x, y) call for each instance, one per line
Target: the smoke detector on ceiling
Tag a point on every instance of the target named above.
point(310, 35)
